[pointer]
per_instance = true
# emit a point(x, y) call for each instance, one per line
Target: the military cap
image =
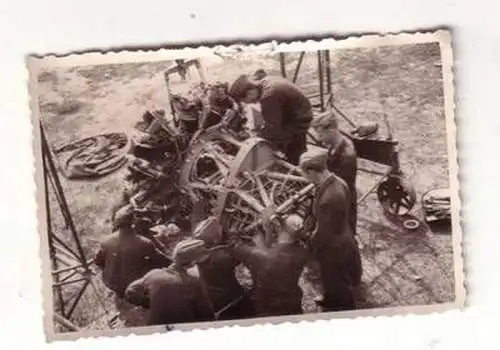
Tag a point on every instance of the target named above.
point(188, 251)
point(314, 158)
point(124, 216)
point(142, 223)
point(259, 74)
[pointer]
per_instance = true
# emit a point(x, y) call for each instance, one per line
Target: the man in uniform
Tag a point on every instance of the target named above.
point(333, 242)
point(285, 109)
point(229, 299)
point(342, 157)
point(173, 295)
point(125, 256)
point(276, 270)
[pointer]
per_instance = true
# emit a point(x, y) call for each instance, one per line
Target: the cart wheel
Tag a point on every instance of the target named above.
point(396, 195)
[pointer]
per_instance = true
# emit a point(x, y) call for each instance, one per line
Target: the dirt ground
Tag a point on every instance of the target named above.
point(400, 267)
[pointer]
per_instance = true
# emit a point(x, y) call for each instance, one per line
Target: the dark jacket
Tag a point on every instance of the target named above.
point(275, 273)
point(287, 112)
point(342, 161)
point(172, 297)
point(217, 272)
point(334, 244)
point(125, 257)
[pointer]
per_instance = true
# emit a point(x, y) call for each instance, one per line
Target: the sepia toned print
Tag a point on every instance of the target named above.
point(205, 187)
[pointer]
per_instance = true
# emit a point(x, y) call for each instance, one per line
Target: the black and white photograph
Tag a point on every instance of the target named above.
point(246, 184)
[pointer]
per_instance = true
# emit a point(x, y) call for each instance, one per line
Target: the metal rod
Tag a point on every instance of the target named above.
point(52, 251)
point(313, 95)
point(288, 165)
point(64, 248)
point(374, 172)
point(232, 140)
point(58, 198)
point(170, 102)
point(320, 78)
point(78, 297)
point(297, 68)
point(66, 269)
point(250, 200)
point(328, 72)
point(64, 322)
point(201, 71)
point(64, 204)
point(262, 192)
point(285, 182)
point(293, 198)
point(60, 284)
point(371, 190)
point(231, 304)
point(70, 275)
point(279, 176)
point(62, 259)
point(282, 64)
point(343, 115)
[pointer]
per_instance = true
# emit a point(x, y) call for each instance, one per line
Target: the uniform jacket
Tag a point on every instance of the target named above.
point(125, 257)
point(333, 242)
point(331, 208)
point(275, 273)
point(172, 297)
point(285, 109)
point(217, 272)
point(342, 161)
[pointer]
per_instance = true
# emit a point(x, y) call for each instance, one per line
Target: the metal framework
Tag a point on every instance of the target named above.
point(324, 71)
point(181, 67)
point(394, 193)
point(70, 265)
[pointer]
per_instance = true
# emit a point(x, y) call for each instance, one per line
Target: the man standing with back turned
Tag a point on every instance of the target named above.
point(276, 270)
point(285, 109)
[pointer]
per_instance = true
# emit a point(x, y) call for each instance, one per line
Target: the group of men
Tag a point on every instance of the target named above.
point(199, 283)
point(288, 115)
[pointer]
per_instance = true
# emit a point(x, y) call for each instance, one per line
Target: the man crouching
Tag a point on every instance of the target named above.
point(125, 256)
point(172, 294)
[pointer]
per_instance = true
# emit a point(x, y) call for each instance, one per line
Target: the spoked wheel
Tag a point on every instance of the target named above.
point(275, 191)
point(95, 156)
point(246, 186)
point(396, 195)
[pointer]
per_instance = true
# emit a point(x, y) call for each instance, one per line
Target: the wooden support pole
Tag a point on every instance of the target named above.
point(320, 78)
point(297, 68)
point(282, 64)
point(328, 72)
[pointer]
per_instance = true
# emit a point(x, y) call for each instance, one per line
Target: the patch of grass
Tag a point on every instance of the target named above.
point(64, 107)
point(47, 77)
point(105, 73)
